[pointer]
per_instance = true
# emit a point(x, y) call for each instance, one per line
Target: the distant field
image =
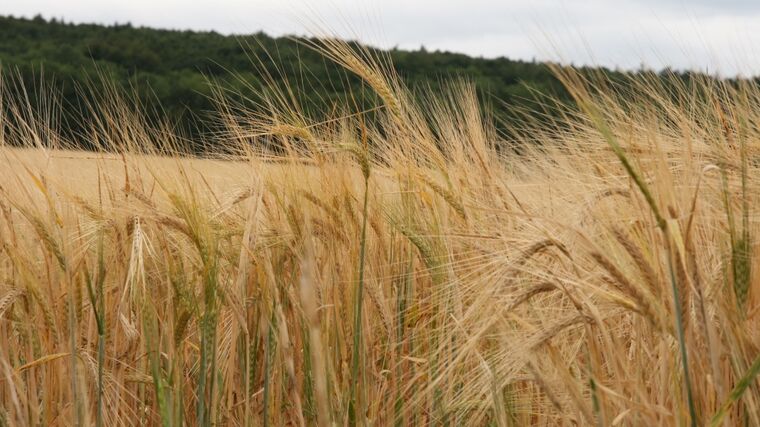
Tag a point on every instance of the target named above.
point(79, 170)
point(416, 270)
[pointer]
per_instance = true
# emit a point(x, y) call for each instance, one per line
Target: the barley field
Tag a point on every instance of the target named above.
point(416, 269)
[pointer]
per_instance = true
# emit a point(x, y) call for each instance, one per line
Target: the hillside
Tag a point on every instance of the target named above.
point(174, 65)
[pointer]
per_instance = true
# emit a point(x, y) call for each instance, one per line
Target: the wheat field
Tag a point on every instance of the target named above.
point(594, 268)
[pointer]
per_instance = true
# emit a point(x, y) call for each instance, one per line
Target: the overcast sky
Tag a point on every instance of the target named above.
point(714, 35)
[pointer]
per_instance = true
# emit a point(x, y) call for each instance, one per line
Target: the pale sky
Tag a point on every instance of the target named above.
point(714, 35)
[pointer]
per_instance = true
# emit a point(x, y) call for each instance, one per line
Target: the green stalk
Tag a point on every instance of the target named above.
point(682, 344)
point(73, 348)
point(150, 332)
point(743, 249)
point(212, 374)
point(609, 137)
point(208, 340)
point(200, 408)
point(308, 381)
point(101, 354)
point(358, 309)
point(101, 317)
point(736, 393)
point(97, 303)
point(268, 370)
point(403, 296)
point(247, 377)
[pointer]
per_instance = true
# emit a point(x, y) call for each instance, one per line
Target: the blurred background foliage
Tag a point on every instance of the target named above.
point(169, 71)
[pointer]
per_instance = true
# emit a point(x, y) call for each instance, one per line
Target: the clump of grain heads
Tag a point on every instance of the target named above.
point(140, 285)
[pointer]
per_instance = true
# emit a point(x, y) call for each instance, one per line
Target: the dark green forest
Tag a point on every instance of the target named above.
point(172, 69)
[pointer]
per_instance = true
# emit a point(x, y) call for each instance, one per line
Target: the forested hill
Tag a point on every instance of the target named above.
point(174, 65)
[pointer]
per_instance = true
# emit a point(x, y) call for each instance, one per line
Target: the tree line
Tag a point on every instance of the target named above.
point(172, 69)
